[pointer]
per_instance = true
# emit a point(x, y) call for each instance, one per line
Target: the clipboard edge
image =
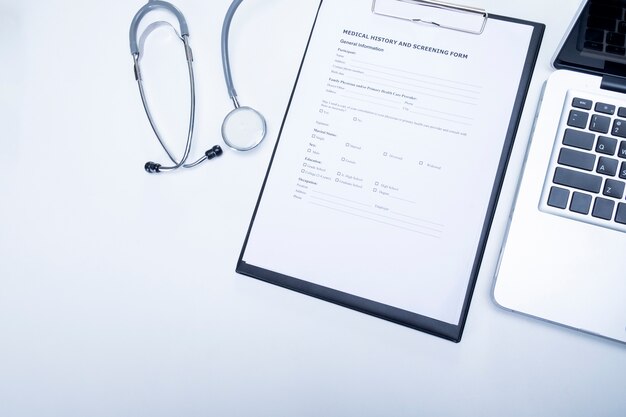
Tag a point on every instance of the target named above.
point(363, 305)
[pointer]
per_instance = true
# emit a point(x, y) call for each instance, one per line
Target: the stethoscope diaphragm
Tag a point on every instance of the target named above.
point(243, 128)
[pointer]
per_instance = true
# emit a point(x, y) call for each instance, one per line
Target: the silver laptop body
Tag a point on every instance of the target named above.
point(564, 258)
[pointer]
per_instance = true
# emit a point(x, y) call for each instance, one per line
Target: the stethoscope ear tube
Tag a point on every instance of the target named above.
point(153, 167)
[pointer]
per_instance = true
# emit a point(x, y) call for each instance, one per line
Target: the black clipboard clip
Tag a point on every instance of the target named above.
point(436, 13)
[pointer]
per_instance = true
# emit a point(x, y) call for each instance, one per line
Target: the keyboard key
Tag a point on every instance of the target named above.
point(605, 108)
point(580, 203)
point(578, 119)
point(579, 180)
point(584, 104)
point(613, 188)
point(612, 10)
point(600, 124)
point(558, 197)
point(621, 27)
point(595, 46)
point(577, 159)
point(621, 112)
point(603, 208)
point(622, 171)
point(578, 139)
point(606, 145)
point(622, 150)
point(607, 166)
point(598, 22)
point(616, 39)
point(619, 128)
point(620, 217)
point(616, 50)
point(594, 35)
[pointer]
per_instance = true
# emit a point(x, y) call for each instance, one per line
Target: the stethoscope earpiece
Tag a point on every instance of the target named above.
point(154, 168)
point(214, 152)
point(243, 128)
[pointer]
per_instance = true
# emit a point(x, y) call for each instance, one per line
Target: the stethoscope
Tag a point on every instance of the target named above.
point(243, 127)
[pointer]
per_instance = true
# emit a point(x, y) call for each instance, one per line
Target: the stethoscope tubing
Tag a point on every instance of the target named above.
point(147, 8)
point(184, 36)
point(135, 51)
point(192, 115)
point(228, 74)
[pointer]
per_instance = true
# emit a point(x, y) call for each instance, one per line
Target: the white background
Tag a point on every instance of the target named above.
point(118, 295)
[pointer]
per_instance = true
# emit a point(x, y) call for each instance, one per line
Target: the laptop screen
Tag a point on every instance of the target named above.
point(597, 41)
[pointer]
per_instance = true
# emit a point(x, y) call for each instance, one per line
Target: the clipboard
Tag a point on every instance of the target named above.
point(368, 202)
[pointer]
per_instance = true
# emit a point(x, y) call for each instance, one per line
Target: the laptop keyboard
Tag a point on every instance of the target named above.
point(586, 179)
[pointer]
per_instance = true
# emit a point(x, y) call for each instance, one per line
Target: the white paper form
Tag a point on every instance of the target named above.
point(383, 172)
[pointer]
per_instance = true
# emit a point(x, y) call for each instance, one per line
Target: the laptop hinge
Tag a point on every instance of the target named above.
point(613, 83)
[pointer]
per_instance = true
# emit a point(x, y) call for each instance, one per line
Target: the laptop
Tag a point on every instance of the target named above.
point(564, 257)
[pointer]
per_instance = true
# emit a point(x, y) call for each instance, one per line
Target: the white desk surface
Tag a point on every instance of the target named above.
point(118, 295)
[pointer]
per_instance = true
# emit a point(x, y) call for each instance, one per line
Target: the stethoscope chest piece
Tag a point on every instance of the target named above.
point(243, 128)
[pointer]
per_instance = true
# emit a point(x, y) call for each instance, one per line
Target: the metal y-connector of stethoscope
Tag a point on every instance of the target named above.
point(243, 127)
